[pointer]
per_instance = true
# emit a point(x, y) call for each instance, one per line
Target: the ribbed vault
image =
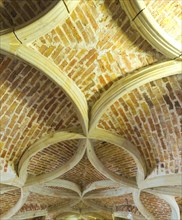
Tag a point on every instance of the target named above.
point(15, 14)
point(90, 110)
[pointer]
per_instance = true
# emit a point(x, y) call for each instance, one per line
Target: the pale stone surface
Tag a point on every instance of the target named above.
point(19, 46)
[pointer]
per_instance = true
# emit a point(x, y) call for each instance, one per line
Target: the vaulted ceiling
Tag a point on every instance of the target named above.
point(90, 109)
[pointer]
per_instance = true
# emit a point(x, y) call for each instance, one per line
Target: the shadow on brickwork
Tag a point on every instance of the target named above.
point(15, 14)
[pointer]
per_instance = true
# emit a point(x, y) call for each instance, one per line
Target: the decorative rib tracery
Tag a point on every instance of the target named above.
point(11, 45)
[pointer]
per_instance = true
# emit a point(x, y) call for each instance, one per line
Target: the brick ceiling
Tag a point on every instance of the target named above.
point(19, 13)
point(90, 127)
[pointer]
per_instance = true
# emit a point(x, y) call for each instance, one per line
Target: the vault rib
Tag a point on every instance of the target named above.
point(141, 207)
point(41, 144)
point(129, 83)
point(60, 209)
point(52, 192)
point(29, 214)
point(172, 191)
point(6, 189)
point(65, 184)
point(18, 205)
point(106, 172)
point(109, 193)
point(58, 14)
point(172, 203)
point(168, 180)
point(149, 29)
point(100, 134)
point(61, 170)
point(10, 44)
point(97, 207)
point(99, 185)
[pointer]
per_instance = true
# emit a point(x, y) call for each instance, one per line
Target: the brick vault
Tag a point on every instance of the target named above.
point(90, 109)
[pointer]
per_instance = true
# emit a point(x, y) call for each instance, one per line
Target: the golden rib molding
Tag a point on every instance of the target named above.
point(142, 20)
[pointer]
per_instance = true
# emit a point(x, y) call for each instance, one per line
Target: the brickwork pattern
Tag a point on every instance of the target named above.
point(116, 159)
point(168, 14)
point(120, 203)
point(14, 13)
point(52, 157)
point(158, 207)
point(8, 200)
point(4, 166)
point(96, 46)
point(31, 106)
point(87, 173)
point(40, 202)
point(150, 118)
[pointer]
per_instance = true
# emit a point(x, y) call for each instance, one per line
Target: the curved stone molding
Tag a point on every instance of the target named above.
point(100, 185)
point(6, 189)
point(106, 172)
point(109, 193)
point(142, 20)
point(129, 83)
point(140, 206)
point(172, 203)
point(64, 184)
point(52, 192)
point(29, 214)
point(61, 208)
point(172, 191)
point(168, 180)
point(117, 140)
point(17, 207)
point(97, 207)
point(41, 144)
point(43, 25)
point(61, 170)
point(10, 45)
point(16, 44)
